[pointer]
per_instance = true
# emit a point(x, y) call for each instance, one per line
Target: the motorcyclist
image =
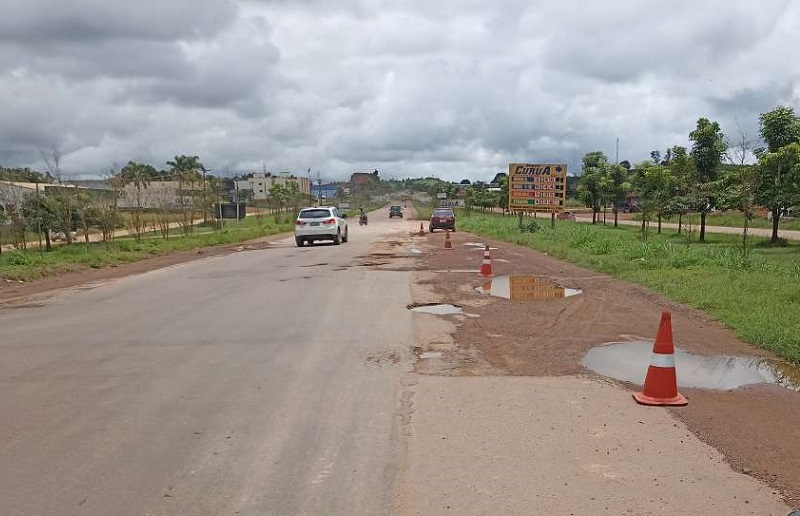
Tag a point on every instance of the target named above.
point(362, 216)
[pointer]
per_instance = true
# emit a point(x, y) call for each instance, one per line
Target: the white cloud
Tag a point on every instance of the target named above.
point(453, 88)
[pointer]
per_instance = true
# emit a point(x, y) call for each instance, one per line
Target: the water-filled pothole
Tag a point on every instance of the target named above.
point(477, 246)
point(525, 288)
point(628, 361)
point(430, 354)
point(435, 308)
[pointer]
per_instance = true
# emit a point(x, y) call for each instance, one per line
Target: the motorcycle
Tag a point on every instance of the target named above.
point(362, 220)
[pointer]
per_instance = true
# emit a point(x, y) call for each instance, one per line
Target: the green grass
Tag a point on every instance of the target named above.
point(424, 209)
point(757, 296)
point(733, 219)
point(33, 264)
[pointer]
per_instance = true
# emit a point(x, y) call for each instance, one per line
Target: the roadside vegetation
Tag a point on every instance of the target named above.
point(715, 179)
point(734, 219)
point(35, 263)
point(424, 209)
point(756, 294)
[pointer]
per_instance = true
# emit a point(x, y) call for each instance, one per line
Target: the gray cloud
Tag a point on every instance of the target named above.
point(411, 87)
point(37, 21)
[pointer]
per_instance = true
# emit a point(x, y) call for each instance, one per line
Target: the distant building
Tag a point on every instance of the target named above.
point(260, 183)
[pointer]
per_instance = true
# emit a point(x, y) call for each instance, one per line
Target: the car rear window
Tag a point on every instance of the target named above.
point(314, 214)
point(442, 213)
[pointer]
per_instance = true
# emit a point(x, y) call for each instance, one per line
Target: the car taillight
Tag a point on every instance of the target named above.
point(299, 223)
point(329, 221)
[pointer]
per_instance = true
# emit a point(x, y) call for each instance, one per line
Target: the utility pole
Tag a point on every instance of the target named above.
point(319, 188)
point(205, 215)
point(39, 218)
point(616, 159)
point(236, 187)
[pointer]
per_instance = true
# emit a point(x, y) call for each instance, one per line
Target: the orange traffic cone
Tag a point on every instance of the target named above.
point(660, 384)
point(486, 266)
point(421, 230)
point(448, 245)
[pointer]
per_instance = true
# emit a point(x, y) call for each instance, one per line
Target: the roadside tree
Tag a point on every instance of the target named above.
point(683, 173)
point(13, 216)
point(590, 186)
point(137, 175)
point(616, 187)
point(63, 195)
point(278, 198)
point(187, 171)
point(708, 147)
point(779, 188)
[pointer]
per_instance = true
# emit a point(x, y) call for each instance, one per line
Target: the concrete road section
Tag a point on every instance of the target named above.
point(566, 445)
point(260, 383)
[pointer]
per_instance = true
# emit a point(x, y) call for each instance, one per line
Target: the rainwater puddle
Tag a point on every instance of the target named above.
point(477, 246)
point(525, 288)
point(431, 354)
point(414, 250)
point(439, 309)
point(628, 361)
point(436, 309)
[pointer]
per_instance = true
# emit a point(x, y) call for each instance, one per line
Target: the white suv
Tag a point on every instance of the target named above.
point(321, 223)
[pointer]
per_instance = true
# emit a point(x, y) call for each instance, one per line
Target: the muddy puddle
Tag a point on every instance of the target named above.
point(439, 309)
point(477, 246)
point(628, 361)
point(430, 354)
point(525, 288)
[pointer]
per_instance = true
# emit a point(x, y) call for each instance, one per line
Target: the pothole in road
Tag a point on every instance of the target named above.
point(438, 309)
point(435, 308)
point(628, 361)
point(430, 354)
point(477, 246)
point(525, 288)
point(315, 265)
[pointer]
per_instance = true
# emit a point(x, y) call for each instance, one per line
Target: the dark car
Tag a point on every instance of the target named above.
point(395, 211)
point(442, 218)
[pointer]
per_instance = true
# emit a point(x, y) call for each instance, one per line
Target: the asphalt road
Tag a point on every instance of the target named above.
point(259, 383)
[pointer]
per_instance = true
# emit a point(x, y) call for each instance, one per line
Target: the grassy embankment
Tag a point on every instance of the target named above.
point(757, 296)
point(424, 209)
point(33, 263)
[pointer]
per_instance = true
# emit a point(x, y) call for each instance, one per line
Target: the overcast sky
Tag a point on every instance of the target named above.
point(452, 88)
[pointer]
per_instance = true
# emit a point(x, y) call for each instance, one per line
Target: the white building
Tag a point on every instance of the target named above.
point(261, 182)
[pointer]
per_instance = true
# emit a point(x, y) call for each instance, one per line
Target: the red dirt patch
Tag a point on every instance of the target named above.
point(756, 428)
